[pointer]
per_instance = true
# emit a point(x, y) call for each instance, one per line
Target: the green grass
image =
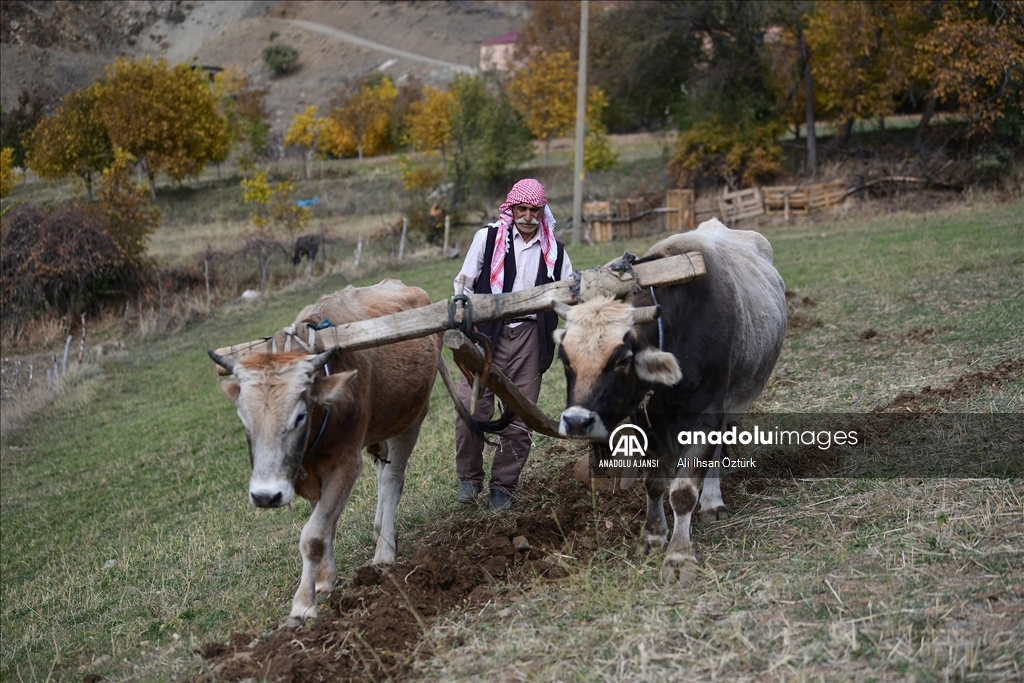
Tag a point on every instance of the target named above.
point(143, 462)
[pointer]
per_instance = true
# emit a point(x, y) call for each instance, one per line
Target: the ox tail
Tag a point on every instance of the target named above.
point(478, 428)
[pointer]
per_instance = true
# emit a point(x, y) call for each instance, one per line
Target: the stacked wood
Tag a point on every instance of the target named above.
point(681, 210)
point(736, 206)
point(598, 216)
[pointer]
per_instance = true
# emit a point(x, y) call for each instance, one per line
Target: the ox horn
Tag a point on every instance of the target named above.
point(646, 314)
point(226, 363)
point(321, 359)
point(562, 310)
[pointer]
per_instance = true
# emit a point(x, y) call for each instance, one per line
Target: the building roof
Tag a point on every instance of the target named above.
point(502, 39)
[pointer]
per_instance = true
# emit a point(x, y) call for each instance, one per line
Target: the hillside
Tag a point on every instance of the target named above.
point(55, 47)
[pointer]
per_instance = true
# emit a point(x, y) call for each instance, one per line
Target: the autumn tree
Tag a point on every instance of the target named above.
point(6, 171)
point(304, 132)
point(543, 91)
point(166, 117)
point(973, 59)
point(550, 26)
point(429, 123)
point(361, 117)
point(275, 208)
point(71, 141)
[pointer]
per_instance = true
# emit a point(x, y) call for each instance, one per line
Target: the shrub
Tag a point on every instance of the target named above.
point(279, 58)
point(713, 151)
point(58, 260)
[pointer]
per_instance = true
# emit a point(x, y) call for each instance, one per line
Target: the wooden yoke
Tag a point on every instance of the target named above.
point(419, 322)
point(470, 360)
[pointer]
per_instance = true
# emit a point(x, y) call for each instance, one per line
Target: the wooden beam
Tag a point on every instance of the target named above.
point(419, 322)
point(470, 359)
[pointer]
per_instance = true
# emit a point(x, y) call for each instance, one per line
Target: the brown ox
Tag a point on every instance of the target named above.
point(307, 419)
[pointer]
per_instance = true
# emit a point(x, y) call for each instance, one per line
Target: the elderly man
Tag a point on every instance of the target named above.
point(517, 252)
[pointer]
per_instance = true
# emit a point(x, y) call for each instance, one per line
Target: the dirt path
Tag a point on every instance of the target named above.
point(380, 47)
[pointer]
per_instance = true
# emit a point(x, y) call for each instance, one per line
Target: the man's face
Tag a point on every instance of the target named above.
point(527, 218)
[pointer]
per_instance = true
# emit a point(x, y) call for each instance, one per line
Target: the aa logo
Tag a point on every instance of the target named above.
point(625, 443)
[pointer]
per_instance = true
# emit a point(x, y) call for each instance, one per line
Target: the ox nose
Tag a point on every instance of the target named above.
point(577, 424)
point(267, 499)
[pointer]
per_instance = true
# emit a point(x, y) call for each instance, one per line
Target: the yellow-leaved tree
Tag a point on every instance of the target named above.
point(275, 207)
point(544, 92)
point(975, 59)
point(6, 172)
point(429, 123)
point(304, 133)
point(71, 141)
point(360, 118)
point(165, 117)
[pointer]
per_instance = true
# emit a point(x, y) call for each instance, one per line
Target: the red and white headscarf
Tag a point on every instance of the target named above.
point(526, 191)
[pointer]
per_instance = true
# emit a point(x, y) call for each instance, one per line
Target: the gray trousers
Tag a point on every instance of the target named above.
point(516, 356)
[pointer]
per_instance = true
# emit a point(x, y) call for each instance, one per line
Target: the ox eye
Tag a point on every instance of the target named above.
point(299, 420)
point(622, 360)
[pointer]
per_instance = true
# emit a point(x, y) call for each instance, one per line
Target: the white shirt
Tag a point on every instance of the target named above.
point(528, 259)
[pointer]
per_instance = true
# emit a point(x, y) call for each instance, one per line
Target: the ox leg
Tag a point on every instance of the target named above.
point(655, 533)
point(317, 535)
point(390, 481)
point(680, 562)
point(327, 577)
point(712, 507)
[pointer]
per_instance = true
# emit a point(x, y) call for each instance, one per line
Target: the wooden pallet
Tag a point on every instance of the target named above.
point(736, 206)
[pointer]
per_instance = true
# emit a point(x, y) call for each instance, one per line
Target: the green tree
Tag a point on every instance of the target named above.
point(279, 58)
point(245, 113)
point(71, 141)
point(488, 137)
point(597, 152)
point(167, 118)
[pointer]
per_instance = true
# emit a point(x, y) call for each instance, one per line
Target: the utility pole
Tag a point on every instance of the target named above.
point(581, 111)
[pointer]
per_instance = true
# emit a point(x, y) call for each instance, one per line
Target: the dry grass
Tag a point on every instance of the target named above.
point(832, 580)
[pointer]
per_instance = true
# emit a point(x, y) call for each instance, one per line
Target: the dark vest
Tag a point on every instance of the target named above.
point(546, 322)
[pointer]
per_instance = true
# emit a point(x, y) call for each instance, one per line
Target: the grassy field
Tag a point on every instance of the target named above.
point(128, 541)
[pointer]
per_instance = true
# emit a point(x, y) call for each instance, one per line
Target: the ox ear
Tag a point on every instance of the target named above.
point(231, 390)
point(328, 390)
point(657, 367)
point(558, 335)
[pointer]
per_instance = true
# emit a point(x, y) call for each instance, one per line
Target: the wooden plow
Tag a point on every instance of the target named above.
point(457, 316)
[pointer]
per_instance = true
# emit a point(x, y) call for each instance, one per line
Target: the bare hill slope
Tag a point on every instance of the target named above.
point(55, 47)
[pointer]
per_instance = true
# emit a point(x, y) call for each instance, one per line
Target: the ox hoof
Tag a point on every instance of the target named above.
point(679, 569)
point(651, 544)
point(714, 515)
point(300, 615)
